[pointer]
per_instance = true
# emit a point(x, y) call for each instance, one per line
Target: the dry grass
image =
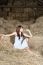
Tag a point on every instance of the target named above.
point(11, 56)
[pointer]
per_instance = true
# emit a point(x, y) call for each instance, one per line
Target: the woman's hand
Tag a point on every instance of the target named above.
point(30, 34)
point(27, 30)
point(1, 35)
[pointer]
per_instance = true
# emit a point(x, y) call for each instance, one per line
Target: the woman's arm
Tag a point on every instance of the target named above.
point(26, 35)
point(14, 33)
point(1, 36)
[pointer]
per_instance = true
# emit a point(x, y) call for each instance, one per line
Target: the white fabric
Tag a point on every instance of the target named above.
point(18, 43)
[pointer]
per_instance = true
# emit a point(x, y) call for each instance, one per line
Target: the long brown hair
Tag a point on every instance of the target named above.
point(18, 30)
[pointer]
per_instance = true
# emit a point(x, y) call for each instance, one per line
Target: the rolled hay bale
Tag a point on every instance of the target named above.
point(5, 43)
point(37, 28)
point(36, 43)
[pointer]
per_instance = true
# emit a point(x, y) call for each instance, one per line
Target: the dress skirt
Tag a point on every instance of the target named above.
point(19, 45)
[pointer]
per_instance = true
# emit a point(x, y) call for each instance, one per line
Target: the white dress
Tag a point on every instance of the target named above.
point(18, 44)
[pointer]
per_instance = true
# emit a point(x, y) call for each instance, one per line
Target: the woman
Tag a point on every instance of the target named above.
point(21, 39)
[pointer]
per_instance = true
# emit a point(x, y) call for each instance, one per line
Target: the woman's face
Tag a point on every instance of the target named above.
point(21, 30)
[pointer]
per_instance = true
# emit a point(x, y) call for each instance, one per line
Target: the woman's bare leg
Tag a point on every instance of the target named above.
point(31, 52)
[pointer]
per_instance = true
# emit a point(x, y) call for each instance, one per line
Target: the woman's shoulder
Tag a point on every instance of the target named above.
point(15, 33)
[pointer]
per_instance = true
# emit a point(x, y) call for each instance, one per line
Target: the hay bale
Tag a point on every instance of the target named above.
point(5, 42)
point(37, 28)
